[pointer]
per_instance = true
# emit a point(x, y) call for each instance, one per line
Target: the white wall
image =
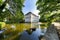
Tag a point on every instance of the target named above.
point(34, 18)
point(28, 18)
point(31, 18)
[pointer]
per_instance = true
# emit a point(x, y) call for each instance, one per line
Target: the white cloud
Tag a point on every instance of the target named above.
point(36, 12)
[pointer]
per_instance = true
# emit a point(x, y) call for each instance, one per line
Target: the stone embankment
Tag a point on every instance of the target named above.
point(52, 33)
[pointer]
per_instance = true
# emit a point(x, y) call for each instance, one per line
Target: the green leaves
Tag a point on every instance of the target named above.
point(49, 11)
point(0, 2)
point(7, 13)
point(47, 7)
point(19, 3)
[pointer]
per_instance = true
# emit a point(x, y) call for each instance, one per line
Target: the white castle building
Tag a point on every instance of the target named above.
point(30, 17)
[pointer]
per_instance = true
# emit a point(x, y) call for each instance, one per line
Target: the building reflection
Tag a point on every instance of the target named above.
point(34, 33)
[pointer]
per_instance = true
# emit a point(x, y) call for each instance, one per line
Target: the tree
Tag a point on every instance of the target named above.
point(2, 6)
point(19, 14)
point(12, 7)
point(49, 10)
point(17, 18)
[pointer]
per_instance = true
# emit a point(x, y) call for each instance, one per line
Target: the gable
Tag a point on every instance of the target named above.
point(31, 14)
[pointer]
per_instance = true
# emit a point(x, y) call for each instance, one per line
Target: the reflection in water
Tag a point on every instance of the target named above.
point(1, 34)
point(28, 31)
point(36, 25)
point(13, 27)
point(31, 34)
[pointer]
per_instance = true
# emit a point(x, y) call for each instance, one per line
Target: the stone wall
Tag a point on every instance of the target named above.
point(51, 33)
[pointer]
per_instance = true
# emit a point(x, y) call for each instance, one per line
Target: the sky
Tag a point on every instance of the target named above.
point(30, 6)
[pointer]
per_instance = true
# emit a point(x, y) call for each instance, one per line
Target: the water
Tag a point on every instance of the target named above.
point(1, 31)
point(34, 35)
point(14, 31)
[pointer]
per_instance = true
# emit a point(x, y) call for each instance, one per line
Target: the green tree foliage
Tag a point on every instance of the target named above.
point(19, 14)
point(2, 6)
point(15, 4)
point(48, 5)
point(49, 10)
point(19, 4)
point(17, 18)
